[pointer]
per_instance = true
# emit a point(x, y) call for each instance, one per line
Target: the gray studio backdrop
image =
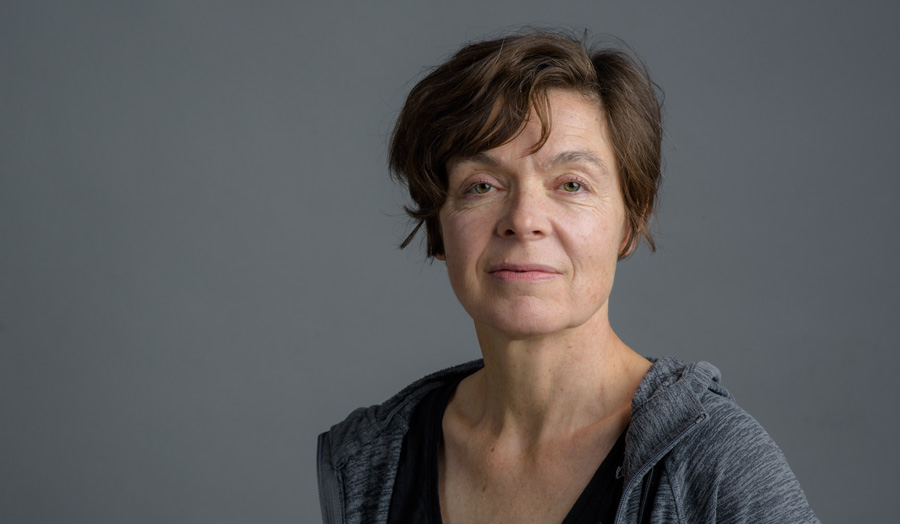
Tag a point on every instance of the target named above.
point(198, 270)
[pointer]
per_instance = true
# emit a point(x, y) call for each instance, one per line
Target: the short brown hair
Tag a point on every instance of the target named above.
point(481, 97)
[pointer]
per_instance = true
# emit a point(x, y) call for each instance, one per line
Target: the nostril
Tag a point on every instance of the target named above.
point(509, 232)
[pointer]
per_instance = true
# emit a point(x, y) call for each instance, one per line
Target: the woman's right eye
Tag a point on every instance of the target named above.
point(480, 188)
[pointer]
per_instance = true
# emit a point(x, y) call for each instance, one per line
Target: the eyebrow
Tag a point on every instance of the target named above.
point(576, 157)
point(566, 157)
point(478, 158)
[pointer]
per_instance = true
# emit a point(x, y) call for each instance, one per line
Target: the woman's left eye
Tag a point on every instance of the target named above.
point(571, 186)
point(480, 188)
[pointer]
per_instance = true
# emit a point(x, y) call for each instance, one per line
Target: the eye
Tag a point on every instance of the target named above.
point(480, 188)
point(571, 186)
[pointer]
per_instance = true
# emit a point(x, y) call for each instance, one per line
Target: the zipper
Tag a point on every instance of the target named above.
point(648, 466)
point(326, 479)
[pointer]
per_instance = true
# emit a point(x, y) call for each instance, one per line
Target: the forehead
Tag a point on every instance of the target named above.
point(577, 134)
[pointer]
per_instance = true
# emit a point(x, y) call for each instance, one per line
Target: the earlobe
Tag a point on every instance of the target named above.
point(440, 256)
point(626, 247)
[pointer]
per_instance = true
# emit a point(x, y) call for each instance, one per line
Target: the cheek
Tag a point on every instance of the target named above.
point(461, 241)
point(593, 246)
point(462, 236)
point(596, 235)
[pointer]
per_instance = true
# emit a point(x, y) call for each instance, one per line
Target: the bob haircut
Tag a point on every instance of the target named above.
point(481, 97)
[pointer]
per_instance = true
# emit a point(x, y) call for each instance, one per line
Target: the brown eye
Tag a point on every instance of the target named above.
point(571, 187)
point(481, 188)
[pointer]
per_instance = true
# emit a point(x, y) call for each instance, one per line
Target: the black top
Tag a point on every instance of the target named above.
point(415, 496)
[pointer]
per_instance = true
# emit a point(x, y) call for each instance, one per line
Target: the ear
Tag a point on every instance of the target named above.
point(440, 256)
point(627, 234)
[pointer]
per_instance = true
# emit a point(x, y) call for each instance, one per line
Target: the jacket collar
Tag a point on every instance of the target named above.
point(365, 424)
point(666, 406)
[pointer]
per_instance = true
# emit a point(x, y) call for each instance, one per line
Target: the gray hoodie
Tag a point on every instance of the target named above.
point(691, 455)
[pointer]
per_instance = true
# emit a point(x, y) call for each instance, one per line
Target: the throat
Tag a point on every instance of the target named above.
point(535, 392)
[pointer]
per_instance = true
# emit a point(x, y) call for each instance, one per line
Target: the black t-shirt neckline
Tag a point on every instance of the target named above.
point(415, 496)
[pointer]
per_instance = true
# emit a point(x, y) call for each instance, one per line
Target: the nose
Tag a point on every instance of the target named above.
point(526, 215)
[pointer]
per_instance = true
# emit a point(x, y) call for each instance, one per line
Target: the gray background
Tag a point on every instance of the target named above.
point(198, 269)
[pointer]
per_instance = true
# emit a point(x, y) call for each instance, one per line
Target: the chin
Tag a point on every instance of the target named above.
point(524, 321)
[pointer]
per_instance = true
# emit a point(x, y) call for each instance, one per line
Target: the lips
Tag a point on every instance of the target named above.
point(522, 272)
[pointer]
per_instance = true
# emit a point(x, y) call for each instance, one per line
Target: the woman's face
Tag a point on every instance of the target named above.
point(531, 239)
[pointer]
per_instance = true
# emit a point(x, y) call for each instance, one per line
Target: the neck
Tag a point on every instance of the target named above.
point(555, 386)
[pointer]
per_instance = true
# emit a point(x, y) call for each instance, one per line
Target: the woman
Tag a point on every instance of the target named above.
point(534, 167)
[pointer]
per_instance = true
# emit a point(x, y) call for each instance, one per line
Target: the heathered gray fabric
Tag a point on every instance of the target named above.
point(717, 462)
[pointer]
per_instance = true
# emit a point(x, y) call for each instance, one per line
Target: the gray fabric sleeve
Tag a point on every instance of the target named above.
point(737, 474)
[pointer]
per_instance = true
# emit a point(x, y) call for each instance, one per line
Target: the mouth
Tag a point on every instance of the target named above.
point(522, 272)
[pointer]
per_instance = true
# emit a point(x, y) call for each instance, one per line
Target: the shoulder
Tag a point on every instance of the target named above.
point(357, 458)
point(727, 465)
point(386, 421)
